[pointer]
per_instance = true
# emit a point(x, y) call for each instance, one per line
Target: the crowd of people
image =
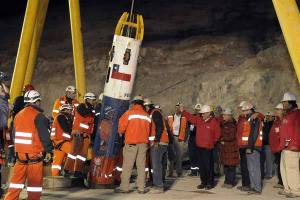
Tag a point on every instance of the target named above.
point(154, 143)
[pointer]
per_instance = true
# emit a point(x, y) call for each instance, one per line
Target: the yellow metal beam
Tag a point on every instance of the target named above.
point(289, 18)
point(23, 50)
point(38, 30)
point(77, 48)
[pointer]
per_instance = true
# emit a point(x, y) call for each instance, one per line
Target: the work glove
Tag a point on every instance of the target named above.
point(48, 157)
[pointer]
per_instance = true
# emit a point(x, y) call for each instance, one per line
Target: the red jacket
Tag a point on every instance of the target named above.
point(208, 132)
point(290, 131)
point(274, 136)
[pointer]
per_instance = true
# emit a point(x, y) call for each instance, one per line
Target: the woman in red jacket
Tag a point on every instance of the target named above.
point(229, 148)
point(274, 140)
point(208, 132)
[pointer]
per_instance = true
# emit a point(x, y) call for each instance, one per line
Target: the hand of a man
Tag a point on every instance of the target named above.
point(248, 151)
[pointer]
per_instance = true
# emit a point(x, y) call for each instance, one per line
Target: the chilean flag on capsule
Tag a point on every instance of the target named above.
point(118, 75)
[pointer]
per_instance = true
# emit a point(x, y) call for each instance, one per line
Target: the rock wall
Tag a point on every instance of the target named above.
point(217, 53)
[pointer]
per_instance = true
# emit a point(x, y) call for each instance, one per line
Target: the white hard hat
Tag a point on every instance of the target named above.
point(66, 106)
point(147, 102)
point(247, 106)
point(227, 111)
point(32, 96)
point(205, 109)
point(138, 98)
point(89, 95)
point(242, 103)
point(101, 97)
point(288, 97)
point(279, 106)
point(198, 106)
point(157, 107)
point(70, 88)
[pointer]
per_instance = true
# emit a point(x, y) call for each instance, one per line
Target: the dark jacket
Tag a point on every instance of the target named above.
point(157, 118)
point(42, 125)
point(229, 146)
point(254, 132)
point(266, 132)
point(18, 105)
point(65, 122)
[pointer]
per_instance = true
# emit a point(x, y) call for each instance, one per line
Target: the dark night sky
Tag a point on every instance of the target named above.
point(10, 8)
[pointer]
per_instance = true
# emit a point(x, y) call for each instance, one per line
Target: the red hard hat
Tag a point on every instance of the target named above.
point(28, 87)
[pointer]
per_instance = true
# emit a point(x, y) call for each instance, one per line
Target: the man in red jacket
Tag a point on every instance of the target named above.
point(208, 132)
point(290, 143)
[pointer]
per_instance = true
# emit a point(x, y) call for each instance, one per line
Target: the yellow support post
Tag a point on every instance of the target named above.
point(289, 18)
point(77, 48)
point(24, 46)
point(38, 30)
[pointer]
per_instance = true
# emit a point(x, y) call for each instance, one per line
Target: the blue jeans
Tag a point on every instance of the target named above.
point(157, 154)
point(253, 162)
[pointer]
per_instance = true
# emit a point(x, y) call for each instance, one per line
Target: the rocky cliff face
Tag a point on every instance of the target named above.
point(218, 52)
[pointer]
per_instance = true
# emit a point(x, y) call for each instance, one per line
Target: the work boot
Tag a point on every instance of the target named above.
point(209, 187)
point(244, 188)
point(201, 186)
point(118, 190)
point(283, 193)
point(78, 174)
point(291, 195)
point(254, 192)
point(143, 191)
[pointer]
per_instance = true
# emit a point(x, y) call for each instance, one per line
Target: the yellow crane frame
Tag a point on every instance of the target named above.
point(33, 25)
point(289, 18)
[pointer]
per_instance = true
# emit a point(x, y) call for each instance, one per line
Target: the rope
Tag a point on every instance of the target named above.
point(131, 10)
point(167, 88)
point(130, 18)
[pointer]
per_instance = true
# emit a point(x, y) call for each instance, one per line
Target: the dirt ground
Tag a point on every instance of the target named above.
point(182, 188)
